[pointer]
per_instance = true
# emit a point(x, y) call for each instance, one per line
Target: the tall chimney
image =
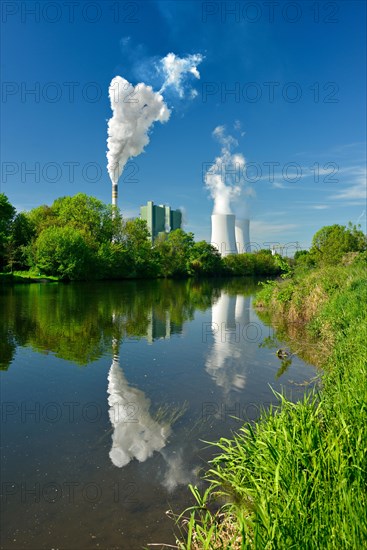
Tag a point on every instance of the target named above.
point(223, 233)
point(114, 198)
point(114, 194)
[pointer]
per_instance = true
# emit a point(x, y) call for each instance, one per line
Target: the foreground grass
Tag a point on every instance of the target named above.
point(26, 276)
point(298, 477)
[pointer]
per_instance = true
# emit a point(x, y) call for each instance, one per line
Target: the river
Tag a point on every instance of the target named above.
point(109, 391)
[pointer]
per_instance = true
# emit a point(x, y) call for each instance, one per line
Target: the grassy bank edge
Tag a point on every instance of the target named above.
point(26, 277)
point(297, 478)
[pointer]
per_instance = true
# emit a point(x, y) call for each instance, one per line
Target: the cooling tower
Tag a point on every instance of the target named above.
point(242, 231)
point(223, 233)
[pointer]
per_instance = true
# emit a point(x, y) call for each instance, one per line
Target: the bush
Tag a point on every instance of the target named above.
point(63, 251)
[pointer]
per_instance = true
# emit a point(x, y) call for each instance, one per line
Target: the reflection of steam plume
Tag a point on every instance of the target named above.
point(226, 361)
point(136, 434)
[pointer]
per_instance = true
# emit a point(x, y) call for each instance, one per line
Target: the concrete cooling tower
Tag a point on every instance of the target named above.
point(242, 231)
point(223, 233)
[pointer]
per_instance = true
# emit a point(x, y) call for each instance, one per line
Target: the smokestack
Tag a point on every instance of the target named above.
point(114, 194)
point(242, 231)
point(223, 233)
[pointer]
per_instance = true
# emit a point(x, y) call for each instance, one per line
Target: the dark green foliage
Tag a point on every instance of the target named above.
point(65, 252)
point(87, 214)
point(142, 258)
point(303, 260)
point(22, 233)
point(258, 263)
point(107, 247)
point(174, 251)
point(7, 213)
point(205, 259)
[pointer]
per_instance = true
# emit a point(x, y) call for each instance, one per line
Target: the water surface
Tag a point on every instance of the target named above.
point(108, 391)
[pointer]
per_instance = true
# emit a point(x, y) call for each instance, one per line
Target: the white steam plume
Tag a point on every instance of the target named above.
point(176, 69)
point(225, 177)
point(135, 109)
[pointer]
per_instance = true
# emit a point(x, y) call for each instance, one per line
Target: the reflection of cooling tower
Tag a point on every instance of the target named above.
point(223, 233)
point(242, 230)
point(223, 311)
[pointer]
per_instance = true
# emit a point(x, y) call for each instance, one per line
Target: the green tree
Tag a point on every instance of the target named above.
point(205, 259)
point(240, 264)
point(7, 213)
point(264, 263)
point(174, 251)
point(114, 261)
point(88, 214)
point(332, 242)
point(21, 235)
point(143, 259)
point(64, 252)
point(41, 218)
point(303, 259)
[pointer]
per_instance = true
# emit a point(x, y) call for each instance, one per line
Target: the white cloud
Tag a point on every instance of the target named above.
point(357, 184)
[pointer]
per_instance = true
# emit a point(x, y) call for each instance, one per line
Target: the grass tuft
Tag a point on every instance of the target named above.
point(298, 477)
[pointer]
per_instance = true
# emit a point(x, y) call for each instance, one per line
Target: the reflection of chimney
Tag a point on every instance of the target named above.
point(242, 229)
point(223, 233)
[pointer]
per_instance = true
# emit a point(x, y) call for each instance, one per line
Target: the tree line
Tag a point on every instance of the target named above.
point(78, 238)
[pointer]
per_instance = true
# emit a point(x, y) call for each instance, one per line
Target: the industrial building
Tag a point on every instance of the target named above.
point(160, 219)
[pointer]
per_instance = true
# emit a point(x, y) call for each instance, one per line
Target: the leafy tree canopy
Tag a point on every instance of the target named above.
point(64, 251)
point(332, 242)
point(7, 213)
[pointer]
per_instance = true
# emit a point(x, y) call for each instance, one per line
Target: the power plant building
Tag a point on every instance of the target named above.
point(160, 219)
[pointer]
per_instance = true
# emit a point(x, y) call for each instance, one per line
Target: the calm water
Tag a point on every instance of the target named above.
point(107, 393)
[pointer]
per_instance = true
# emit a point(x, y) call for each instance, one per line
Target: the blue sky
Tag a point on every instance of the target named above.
point(298, 90)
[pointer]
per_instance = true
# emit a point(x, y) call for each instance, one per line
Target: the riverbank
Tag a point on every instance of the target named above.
point(26, 277)
point(297, 478)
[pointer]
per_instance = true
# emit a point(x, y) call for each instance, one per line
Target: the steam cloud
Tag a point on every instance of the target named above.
point(225, 178)
point(175, 70)
point(136, 109)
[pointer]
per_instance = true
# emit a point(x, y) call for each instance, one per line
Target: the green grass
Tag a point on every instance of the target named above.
point(298, 477)
point(26, 276)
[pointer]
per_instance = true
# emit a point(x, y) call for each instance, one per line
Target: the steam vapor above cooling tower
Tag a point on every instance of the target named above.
point(136, 108)
point(225, 182)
